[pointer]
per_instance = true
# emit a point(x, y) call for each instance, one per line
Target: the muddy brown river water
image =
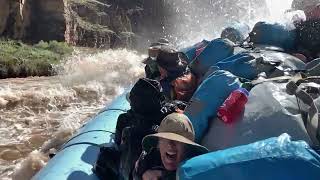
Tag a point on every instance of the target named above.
point(36, 111)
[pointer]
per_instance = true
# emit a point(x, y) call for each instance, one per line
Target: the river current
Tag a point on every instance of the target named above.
point(38, 114)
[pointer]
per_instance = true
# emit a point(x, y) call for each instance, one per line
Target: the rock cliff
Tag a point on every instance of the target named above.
point(14, 18)
point(92, 23)
point(120, 23)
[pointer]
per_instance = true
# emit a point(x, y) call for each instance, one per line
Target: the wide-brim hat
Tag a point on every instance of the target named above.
point(175, 127)
point(172, 61)
point(162, 42)
point(154, 50)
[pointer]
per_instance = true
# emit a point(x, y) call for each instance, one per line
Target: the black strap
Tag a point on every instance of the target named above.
point(112, 109)
point(312, 125)
point(98, 130)
point(81, 143)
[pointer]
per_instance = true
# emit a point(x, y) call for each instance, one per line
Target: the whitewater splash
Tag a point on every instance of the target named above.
point(194, 21)
point(43, 112)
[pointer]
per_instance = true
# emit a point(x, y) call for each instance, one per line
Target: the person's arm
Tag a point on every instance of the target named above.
point(139, 167)
point(152, 175)
point(124, 120)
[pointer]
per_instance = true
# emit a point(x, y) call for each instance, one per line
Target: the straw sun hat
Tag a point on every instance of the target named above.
point(176, 127)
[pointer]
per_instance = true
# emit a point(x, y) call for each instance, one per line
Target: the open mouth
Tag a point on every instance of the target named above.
point(172, 156)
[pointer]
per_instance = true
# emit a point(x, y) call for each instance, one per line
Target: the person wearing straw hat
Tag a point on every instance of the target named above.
point(151, 68)
point(166, 149)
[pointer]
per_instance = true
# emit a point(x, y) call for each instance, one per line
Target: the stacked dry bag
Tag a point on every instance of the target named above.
point(278, 131)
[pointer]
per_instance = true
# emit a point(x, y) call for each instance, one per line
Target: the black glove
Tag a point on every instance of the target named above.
point(172, 106)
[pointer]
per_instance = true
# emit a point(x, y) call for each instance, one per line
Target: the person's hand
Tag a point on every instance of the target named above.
point(152, 175)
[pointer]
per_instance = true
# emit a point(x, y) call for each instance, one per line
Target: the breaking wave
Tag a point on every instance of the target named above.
point(42, 112)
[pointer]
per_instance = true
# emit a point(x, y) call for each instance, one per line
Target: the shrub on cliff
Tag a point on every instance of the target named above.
point(21, 60)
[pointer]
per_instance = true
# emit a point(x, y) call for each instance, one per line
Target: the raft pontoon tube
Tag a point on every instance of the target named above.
point(77, 157)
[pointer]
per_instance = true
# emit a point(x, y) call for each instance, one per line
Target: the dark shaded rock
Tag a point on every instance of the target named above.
point(47, 21)
point(14, 18)
point(88, 24)
point(92, 23)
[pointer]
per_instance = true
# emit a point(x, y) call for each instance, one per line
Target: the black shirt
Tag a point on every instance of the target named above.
point(152, 161)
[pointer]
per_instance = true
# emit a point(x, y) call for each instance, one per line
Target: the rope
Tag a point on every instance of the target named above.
point(86, 133)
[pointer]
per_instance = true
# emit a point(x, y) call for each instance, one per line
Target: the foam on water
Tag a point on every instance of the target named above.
point(42, 112)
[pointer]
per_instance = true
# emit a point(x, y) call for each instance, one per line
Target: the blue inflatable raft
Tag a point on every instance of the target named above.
point(78, 156)
point(273, 158)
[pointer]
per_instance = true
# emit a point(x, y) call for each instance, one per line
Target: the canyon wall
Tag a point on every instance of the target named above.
point(91, 23)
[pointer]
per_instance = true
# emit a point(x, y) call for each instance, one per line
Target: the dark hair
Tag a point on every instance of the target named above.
point(146, 96)
point(173, 62)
